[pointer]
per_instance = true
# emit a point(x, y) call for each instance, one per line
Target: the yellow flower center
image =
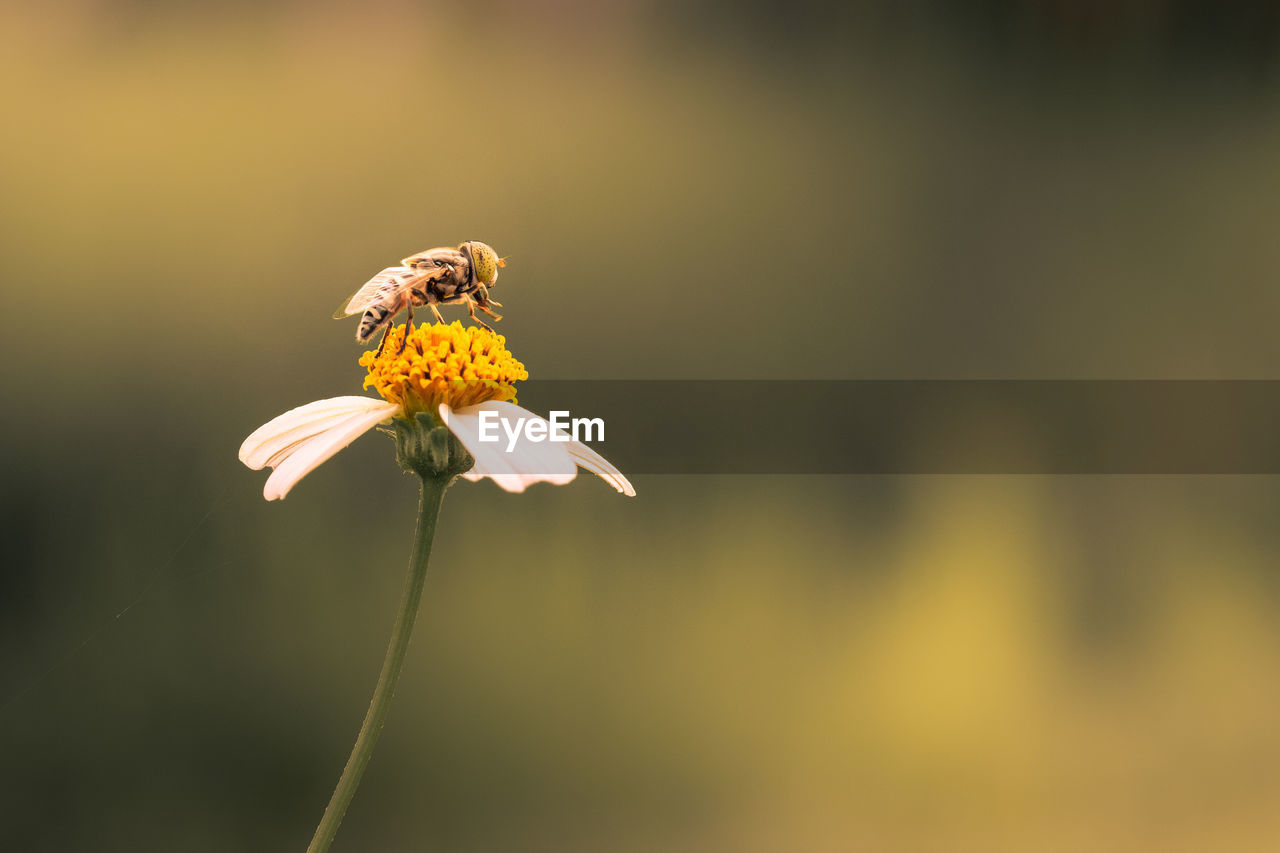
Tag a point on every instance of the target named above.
point(454, 364)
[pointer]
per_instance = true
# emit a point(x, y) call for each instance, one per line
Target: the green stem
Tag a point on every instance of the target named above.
point(433, 488)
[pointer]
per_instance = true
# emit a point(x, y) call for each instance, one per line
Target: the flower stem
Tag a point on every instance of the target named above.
point(433, 488)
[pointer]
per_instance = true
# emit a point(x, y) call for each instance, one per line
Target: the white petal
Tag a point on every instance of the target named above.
point(601, 467)
point(515, 474)
point(528, 462)
point(276, 439)
point(306, 456)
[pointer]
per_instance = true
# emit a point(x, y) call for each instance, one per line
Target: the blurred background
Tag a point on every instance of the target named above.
point(1019, 189)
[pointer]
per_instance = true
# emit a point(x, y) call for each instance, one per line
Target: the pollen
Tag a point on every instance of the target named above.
point(454, 364)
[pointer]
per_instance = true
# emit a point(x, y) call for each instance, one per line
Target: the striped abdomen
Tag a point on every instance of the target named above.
point(377, 317)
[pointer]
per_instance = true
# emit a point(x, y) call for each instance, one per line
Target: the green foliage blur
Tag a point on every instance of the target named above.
point(1028, 190)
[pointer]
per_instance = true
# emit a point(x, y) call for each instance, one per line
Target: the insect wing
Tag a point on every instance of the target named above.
point(390, 281)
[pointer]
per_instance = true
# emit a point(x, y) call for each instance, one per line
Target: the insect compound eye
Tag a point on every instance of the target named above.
point(485, 261)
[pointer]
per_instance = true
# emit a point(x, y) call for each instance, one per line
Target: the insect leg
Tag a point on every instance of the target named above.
point(408, 327)
point(485, 298)
point(436, 311)
point(387, 321)
point(385, 334)
point(485, 308)
point(471, 309)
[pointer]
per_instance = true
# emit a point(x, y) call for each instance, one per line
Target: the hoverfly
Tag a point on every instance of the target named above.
point(442, 276)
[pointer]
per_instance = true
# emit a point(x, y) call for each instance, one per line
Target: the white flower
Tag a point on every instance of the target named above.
point(295, 443)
